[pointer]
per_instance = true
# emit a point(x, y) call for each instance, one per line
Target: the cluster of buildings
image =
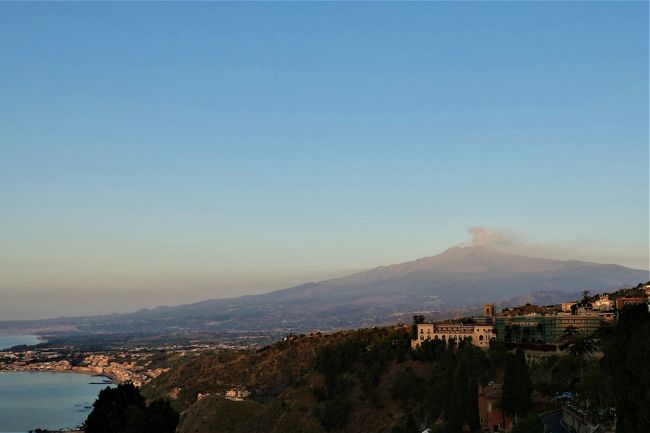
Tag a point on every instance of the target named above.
point(537, 326)
point(533, 327)
point(234, 394)
point(120, 368)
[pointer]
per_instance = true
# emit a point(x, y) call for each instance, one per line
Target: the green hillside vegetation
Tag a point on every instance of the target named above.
point(370, 380)
point(220, 415)
point(355, 381)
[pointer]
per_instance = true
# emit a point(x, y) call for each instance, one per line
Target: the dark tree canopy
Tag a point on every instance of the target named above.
point(627, 357)
point(530, 424)
point(123, 410)
point(517, 385)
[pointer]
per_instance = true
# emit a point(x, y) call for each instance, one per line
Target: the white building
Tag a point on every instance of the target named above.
point(480, 335)
point(603, 303)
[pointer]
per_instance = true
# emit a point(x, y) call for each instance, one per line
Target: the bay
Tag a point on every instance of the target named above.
point(30, 400)
point(7, 341)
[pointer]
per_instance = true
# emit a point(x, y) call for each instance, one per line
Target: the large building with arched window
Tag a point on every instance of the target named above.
point(479, 330)
point(479, 334)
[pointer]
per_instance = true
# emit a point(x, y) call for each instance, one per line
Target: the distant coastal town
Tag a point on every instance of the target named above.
point(137, 366)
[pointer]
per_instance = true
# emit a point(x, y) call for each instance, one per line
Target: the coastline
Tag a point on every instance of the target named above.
point(27, 340)
point(74, 370)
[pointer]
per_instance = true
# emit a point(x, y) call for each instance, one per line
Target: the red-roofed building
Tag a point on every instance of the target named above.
point(622, 302)
point(492, 418)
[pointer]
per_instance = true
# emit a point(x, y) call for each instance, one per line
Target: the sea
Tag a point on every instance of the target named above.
point(30, 400)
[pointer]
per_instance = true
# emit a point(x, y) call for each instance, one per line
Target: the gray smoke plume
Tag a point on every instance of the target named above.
point(482, 236)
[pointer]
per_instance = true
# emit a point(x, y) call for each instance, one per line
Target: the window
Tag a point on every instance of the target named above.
point(480, 338)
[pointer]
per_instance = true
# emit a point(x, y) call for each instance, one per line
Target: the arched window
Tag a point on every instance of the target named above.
point(480, 338)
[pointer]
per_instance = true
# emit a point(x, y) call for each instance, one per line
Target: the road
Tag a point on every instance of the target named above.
point(553, 423)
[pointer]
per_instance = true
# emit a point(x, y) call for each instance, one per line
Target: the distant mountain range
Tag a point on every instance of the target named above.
point(457, 280)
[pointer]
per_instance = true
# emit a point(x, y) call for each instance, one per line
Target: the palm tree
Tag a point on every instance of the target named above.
point(582, 347)
point(569, 333)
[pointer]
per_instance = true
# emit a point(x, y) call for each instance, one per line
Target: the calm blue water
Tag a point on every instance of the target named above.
point(46, 400)
point(7, 341)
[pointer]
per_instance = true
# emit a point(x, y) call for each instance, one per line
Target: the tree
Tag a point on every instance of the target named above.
point(569, 333)
point(406, 425)
point(530, 424)
point(595, 390)
point(429, 350)
point(581, 347)
point(333, 414)
point(417, 319)
point(109, 414)
point(627, 359)
point(517, 386)
point(123, 410)
point(473, 418)
point(408, 387)
point(458, 400)
point(161, 417)
point(462, 400)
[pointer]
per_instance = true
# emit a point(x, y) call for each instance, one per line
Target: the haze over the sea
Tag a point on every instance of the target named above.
point(164, 153)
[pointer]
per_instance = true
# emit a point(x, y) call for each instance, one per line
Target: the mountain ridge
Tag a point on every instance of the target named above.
point(459, 277)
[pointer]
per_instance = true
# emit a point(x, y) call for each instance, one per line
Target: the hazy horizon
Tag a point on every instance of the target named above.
point(82, 303)
point(165, 153)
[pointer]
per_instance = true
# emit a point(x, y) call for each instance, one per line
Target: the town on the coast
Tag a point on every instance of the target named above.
point(137, 366)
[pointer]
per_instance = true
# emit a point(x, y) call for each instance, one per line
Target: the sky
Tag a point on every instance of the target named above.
point(163, 153)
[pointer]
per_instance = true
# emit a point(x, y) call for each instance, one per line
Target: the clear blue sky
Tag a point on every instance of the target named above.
point(208, 150)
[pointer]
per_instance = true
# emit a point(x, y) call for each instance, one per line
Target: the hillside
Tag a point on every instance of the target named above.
point(369, 380)
point(458, 278)
point(357, 380)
